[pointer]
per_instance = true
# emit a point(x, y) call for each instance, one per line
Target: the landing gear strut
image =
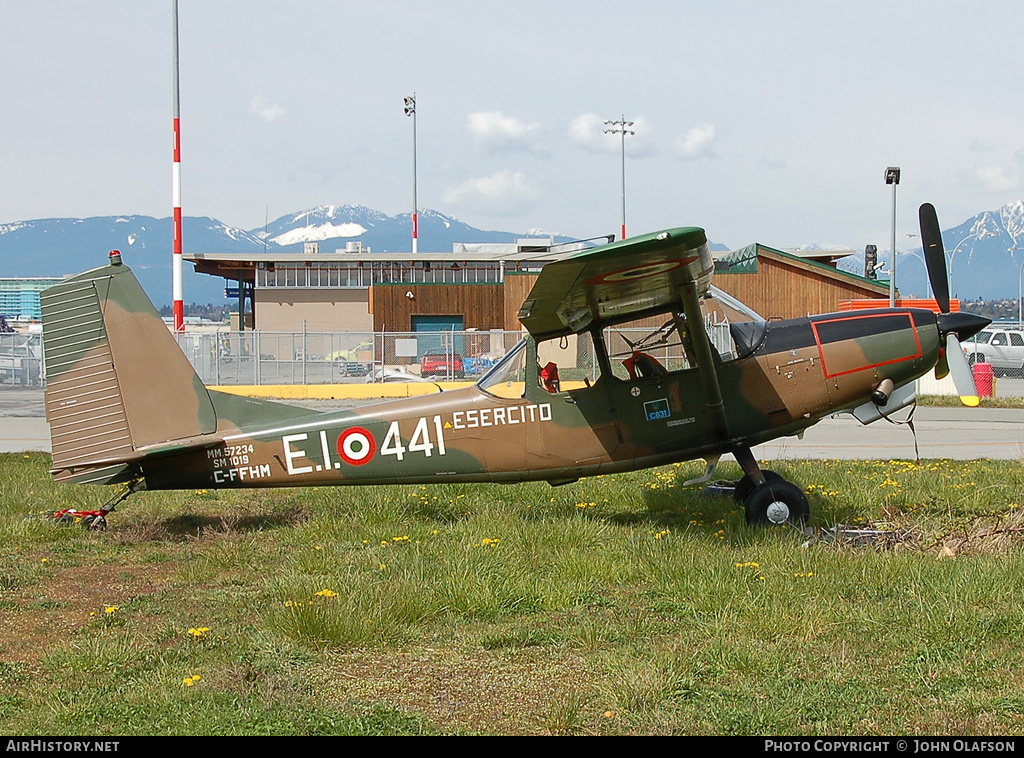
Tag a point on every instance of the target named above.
point(769, 500)
point(97, 520)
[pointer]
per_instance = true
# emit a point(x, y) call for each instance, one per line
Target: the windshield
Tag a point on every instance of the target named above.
point(508, 377)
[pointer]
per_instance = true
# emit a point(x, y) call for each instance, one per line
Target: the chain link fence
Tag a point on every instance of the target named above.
point(21, 359)
point(261, 358)
point(258, 358)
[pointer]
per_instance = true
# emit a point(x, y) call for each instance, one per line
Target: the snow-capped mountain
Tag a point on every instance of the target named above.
point(61, 246)
point(984, 255)
point(332, 226)
point(986, 251)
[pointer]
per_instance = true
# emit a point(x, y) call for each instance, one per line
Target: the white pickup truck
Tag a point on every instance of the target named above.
point(1003, 349)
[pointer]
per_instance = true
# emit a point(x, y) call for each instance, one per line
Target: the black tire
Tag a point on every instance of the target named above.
point(746, 485)
point(975, 358)
point(777, 503)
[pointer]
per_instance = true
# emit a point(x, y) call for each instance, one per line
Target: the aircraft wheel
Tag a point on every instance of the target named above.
point(777, 503)
point(746, 485)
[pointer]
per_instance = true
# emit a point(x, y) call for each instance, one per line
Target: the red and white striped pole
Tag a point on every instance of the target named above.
point(410, 110)
point(179, 303)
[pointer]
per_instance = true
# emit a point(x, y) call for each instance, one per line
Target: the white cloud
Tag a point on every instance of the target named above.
point(997, 179)
point(266, 110)
point(495, 133)
point(697, 143)
point(505, 193)
point(587, 131)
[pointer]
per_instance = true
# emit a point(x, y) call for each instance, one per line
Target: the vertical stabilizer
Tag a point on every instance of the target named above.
point(116, 380)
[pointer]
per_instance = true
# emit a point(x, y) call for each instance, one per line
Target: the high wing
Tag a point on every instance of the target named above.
point(619, 282)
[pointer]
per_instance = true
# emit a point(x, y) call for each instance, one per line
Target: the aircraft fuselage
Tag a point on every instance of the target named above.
point(797, 372)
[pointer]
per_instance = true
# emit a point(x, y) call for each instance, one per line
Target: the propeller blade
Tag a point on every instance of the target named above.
point(934, 255)
point(963, 379)
point(942, 366)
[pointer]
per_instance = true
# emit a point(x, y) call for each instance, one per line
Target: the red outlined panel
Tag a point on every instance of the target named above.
point(862, 342)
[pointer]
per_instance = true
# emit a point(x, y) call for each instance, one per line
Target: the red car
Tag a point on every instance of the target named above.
point(441, 363)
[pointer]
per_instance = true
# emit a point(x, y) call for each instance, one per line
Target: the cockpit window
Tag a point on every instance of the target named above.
point(507, 378)
point(652, 346)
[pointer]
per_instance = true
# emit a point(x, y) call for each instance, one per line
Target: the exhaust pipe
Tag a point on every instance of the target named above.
point(880, 394)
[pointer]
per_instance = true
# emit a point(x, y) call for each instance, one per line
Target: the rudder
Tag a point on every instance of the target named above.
point(116, 379)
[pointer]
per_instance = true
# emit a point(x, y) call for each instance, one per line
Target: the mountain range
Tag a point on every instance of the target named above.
point(61, 246)
point(985, 256)
point(986, 262)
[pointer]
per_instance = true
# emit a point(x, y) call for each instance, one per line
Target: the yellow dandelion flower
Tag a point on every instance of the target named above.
point(111, 609)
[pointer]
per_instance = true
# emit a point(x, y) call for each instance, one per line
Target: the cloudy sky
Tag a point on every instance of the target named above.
point(760, 121)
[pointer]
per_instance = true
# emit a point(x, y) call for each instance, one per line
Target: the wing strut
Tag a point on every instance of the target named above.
point(705, 359)
point(712, 390)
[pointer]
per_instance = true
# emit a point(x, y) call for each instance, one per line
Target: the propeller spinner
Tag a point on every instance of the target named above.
point(953, 327)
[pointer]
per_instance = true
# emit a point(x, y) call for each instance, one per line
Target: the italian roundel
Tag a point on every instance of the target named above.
point(356, 446)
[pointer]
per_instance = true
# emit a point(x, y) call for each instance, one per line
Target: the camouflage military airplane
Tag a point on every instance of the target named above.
point(581, 394)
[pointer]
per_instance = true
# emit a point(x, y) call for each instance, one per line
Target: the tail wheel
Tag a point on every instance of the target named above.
point(777, 503)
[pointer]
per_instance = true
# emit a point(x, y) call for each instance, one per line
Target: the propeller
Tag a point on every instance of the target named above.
point(953, 327)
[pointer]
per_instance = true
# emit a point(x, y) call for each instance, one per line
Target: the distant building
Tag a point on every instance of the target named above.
point(482, 286)
point(19, 297)
point(476, 286)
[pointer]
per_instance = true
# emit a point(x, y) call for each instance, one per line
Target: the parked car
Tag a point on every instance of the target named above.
point(361, 352)
point(442, 363)
point(1003, 349)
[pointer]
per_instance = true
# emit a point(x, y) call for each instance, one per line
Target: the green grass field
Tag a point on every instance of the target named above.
point(624, 604)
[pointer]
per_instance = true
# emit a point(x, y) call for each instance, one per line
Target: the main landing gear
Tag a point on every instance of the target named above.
point(769, 499)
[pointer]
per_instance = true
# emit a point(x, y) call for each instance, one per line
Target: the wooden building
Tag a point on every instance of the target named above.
point(780, 284)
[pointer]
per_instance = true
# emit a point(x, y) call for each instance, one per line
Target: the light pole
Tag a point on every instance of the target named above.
point(927, 276)
point(410, 110)
point(622, 127)
point(892, 176)
point(1020, 295)
point(952, 256)
point(924, 263)
point(1020, 288)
